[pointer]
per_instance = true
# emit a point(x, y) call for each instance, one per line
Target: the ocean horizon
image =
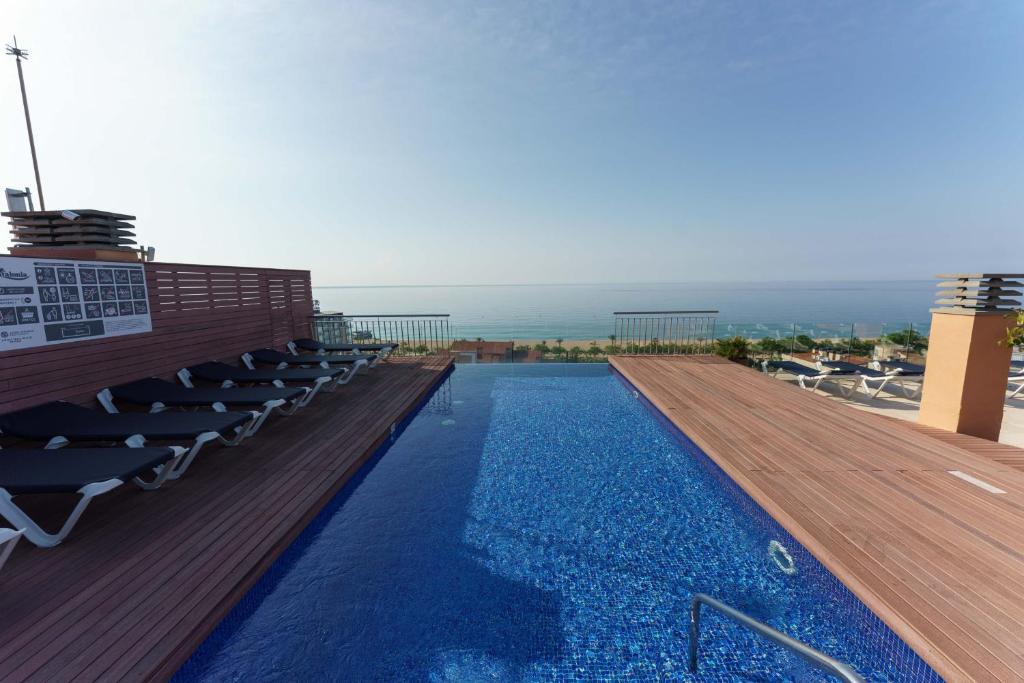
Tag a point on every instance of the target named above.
point(584, 312)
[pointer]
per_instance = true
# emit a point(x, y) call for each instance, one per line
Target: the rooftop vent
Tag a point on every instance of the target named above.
point(980, 292)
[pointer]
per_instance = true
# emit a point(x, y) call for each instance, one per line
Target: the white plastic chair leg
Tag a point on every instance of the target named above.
point(295, 404)
point(8, 539)
point(163, 473)
point(320, 383)
point(183, 463)
point(33, 532)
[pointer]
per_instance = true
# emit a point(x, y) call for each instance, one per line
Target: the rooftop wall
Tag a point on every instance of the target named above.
point(199, 313)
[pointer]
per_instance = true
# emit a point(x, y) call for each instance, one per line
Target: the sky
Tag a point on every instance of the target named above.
point(419, 142)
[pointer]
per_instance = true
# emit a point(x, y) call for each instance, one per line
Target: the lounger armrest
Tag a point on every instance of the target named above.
point(9, 534)
point(106, 400)
point(248, 361)
point(8, 539)
point(99, 487)
point(185, 377)
point(135, 441)
point(56, 442)
point(292, 348)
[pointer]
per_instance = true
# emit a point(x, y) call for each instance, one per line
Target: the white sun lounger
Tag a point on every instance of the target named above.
point(88, 472)
point(810, 378)
point(1016, 378)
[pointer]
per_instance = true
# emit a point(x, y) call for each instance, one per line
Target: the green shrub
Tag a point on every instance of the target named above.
point(734, 348)
point(908, 338)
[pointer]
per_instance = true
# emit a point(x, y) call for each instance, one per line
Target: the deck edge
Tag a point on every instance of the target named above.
point(942, 665)
point(181, 654)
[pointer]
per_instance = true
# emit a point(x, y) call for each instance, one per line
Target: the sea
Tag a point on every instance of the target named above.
point(867, 309)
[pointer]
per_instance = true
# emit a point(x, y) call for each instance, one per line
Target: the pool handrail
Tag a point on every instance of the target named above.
point(820, 660)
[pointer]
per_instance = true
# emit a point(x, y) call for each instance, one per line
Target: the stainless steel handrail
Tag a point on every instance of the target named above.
point(414, 333)
point(390, 315)
point(820, 660)
point(664, 332)
point(665, 312)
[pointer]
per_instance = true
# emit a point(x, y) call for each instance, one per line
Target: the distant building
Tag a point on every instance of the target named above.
point(483, 351)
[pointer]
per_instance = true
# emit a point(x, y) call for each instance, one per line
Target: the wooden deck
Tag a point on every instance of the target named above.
point(940, 560)
point(146, 576)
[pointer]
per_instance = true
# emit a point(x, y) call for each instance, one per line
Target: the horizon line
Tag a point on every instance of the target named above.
point(589, 284)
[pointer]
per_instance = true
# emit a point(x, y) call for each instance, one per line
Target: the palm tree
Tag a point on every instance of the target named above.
point(612, 338)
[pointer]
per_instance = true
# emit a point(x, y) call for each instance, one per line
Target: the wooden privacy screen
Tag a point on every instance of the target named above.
point(199, 313)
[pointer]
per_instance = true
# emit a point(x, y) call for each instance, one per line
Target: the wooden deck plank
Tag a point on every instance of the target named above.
point(147, 575)
point(940, 560)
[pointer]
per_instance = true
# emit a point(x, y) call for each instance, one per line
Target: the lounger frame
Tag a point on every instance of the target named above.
point(8, 539)
point(1017, 379)
point(106, 399)
point(344, 378)
point(896, 375)
point(185, 377)
point(176, 467)
point(822, 375)
point(381, 354)
point(40, 537)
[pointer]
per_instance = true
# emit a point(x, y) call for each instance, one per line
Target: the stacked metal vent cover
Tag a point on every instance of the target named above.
point(981, 291)
point(71, 229)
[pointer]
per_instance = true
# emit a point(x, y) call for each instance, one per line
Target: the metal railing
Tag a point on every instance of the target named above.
point(852, 341)
point(843, 672)
point(665, 332)
point(417, 334)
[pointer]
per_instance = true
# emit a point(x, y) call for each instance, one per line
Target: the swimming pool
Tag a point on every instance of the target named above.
point(539, 522)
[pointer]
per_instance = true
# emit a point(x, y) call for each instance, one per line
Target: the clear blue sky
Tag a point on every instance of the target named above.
point(471, 142)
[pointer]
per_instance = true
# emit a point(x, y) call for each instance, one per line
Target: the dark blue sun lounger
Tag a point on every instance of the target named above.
point(230, 376)
point(159, 394)
point(349, 362)
point(805, 374)
point(904, 368)
point(59, 423)
point(774, 367)
point(89, 472)
point(1016, 378)
point(868, 376)
point(384, 349)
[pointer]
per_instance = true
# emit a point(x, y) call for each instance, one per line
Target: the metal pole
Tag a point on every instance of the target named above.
point(18, 54)
point(840, 670)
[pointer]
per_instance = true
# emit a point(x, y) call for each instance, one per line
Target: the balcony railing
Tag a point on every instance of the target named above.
point(416, 334)
point(665, 332)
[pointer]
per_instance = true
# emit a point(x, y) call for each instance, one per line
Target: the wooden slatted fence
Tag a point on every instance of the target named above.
point(199, 313)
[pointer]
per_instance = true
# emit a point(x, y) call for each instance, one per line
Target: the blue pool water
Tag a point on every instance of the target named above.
point(534, 523)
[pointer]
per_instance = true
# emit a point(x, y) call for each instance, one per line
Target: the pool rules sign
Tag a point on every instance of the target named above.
point(46, 302)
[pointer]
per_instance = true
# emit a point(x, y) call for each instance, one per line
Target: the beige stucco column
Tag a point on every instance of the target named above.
point(966, 374)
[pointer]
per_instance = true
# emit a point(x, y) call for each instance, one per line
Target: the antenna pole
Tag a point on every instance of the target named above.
point(18, 54)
